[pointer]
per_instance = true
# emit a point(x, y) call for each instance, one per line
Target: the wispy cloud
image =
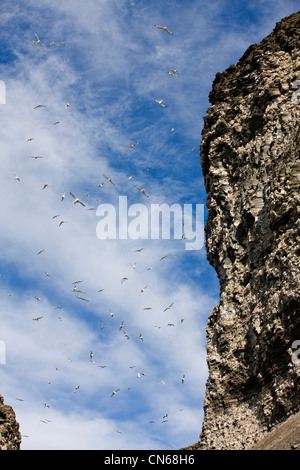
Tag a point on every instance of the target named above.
point(112, 66)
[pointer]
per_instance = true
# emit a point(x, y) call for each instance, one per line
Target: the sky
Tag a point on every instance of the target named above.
point(135, 324)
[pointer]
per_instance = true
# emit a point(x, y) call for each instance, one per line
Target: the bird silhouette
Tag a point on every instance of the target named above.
point(168, 308)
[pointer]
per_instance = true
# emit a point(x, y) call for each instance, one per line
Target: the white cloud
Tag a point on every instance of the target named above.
point(114, 64)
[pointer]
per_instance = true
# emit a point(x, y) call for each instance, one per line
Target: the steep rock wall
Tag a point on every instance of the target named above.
point(10, 437)
point(250, 160)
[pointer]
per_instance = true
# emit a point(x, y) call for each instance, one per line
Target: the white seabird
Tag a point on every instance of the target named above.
point(164, 28)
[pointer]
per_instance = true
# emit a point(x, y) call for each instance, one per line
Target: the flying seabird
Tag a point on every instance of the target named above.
point(142, 191)
point(168, 308)
point(40, 106)
point(133, 145)
point(114, 392)
point(76, 200)
point(125, 334)
point(160, 102)
point(82, 298)
point(164, 28)
point(109, 179)
point(77, 290)
point(38, 42)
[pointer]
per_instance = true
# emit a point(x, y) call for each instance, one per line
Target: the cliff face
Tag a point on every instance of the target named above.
point(250, 160)
point(10, 438)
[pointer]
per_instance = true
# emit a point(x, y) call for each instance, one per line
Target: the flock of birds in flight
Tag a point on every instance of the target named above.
point(76, 201)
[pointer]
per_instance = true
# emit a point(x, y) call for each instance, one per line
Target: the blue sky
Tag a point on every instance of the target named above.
point(114, 64)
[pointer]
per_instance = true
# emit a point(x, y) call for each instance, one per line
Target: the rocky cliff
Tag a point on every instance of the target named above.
point(250, 160)
point(10, 438)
